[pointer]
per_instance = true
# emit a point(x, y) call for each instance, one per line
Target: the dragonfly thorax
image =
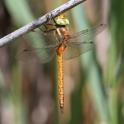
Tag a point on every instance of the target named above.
point(63, 35)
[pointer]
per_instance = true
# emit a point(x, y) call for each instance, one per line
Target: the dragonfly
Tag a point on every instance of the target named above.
point(66, 46)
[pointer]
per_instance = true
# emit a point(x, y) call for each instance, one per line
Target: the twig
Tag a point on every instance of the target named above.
point(38, 22)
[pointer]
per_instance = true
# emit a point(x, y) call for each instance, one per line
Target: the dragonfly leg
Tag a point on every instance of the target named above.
point(48, 27)
point(53, 18)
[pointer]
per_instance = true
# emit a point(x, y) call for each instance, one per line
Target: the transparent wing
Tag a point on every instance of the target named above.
point(45, 54)
point(49, 37)
point(96, 30)
point(78, 43)
point(75, 49)
point(82, 42)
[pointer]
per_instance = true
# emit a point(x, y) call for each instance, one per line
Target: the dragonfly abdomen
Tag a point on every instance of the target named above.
point(60, 51)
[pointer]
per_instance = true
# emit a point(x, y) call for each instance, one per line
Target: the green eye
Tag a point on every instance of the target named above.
point(60, 21)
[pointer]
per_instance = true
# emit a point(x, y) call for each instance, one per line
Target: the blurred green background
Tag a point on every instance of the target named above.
point(93, 82)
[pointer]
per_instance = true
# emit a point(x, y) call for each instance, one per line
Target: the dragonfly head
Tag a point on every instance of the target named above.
point(62, 20)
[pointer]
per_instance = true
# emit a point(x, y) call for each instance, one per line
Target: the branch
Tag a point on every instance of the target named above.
point(38, 22)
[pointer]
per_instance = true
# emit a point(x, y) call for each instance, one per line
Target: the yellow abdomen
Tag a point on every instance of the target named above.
point(60, 79)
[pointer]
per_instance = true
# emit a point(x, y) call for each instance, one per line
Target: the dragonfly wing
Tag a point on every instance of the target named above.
point(95, 30)
point(75, 49)
point(47, 36)
point(82, 42)
point(45, 54)
point(78, 45)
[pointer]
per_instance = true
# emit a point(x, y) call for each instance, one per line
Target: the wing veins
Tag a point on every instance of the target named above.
point(96, 30)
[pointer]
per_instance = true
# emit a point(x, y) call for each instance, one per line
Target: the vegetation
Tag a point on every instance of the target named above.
point(93, 82)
